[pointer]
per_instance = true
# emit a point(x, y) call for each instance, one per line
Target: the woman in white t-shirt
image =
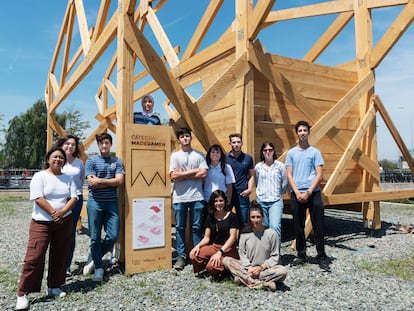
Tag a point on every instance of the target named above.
point(75, 168)
point(54, 195)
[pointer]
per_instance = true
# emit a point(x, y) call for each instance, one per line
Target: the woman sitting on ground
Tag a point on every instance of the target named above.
point(219, 239)
point(258, 266)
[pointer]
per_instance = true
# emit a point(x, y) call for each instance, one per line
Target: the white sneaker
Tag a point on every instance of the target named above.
point(88, 268)
point(56, 292)
point(98, 275)
point(22, 303)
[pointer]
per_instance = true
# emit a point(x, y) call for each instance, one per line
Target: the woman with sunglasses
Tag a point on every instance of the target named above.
point(271, 183)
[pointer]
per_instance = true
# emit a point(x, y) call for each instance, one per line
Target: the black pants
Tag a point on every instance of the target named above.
point(317, 215)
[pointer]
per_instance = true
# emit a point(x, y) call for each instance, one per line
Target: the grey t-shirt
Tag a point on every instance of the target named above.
point(187, 190)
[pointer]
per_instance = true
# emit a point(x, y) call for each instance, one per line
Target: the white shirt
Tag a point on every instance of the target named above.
point(56, 189)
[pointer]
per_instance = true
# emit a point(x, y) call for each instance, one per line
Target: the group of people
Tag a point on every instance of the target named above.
point(245, 243)
point(56, 192)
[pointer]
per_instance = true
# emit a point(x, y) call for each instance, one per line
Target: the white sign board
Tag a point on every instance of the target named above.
point(148, 223)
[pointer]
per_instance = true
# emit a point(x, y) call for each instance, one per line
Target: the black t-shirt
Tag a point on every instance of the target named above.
point(220, 230)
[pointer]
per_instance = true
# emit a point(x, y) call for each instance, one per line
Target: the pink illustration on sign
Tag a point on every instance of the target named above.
point(155, 230)
point(155, 209)
point(143, 239)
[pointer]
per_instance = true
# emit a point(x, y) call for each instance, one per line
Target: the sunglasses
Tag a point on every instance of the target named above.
point(268, 150)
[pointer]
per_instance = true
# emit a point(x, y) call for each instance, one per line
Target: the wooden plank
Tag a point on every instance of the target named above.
point(101, 18)
point(329, 7)
point(261, 62)
point(83, 69)
point(393, 33)
point(208, 17)
point(330, 34)
point(258, 15)
point(66, 52)
point(329, 119)
point(358, 197)
point(221, 87)
point(83, 26)
point(162, 38)
point(349, 151)
point(172, 89)
point(61, 37)
point(393, 131)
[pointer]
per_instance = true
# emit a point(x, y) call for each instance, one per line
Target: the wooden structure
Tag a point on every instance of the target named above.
point(243, 88)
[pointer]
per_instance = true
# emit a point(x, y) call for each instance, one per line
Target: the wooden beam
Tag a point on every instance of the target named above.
point(223, 85)
point(262, 63)
point(393, 33)
point(100, 20)
point(341, 108)
point(202, 28)
point(162, 38)
point(393, 131)
point(258, 15)
point(82, 70)
point(358, 197)
point(330, 34)
point(326, 8)
point(349, 151)
point(172, 89)
point(83, 26)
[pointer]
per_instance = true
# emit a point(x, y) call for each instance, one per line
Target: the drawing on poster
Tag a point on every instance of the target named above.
point(148, 223)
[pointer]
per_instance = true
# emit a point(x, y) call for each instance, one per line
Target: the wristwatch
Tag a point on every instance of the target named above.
point(309, 193)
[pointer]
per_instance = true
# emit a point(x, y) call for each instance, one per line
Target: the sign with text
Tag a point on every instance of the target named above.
point(148, 223)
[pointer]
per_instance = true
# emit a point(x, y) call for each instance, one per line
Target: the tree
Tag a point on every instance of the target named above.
point(26, 136)
point(388, 165)
point(72, 123)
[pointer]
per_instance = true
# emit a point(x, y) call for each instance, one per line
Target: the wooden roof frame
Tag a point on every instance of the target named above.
point(244, 53)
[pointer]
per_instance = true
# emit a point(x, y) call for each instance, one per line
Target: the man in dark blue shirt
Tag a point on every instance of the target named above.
point(147, 116)
point(243, 168)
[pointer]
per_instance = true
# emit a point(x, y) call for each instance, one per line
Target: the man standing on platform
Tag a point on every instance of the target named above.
point(243, 168)
point(304, 172)
point(188, 167)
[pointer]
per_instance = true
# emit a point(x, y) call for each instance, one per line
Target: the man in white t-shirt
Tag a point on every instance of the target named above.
point(188, 167)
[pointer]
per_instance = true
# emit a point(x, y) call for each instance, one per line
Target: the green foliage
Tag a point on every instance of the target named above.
point(71, 120)
point(7, 210)
point(388, 165)
point(8, 280)
point(25, 139)
point(401, 268)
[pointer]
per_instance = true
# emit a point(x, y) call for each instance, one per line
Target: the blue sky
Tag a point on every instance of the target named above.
point(29, 34)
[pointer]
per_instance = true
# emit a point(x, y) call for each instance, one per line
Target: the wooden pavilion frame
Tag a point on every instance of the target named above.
point(244, 88)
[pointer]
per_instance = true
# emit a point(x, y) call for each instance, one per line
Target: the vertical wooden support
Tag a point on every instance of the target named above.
point(124, 106)
point(245, 88)
point(363, 31)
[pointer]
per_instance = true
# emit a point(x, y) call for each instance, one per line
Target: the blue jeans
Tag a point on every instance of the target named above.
point(241, 204)
point(272, 212)
point(76, 210)
point(102, 214)
point(196, 218)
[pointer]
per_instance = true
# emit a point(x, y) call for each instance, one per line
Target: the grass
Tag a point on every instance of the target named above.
point(12, 199)
point(402, 201)
point(401, 268)
point(7, 209)
point(8, 280)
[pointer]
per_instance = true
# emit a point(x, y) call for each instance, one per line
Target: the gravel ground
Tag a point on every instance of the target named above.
point(347, 287)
